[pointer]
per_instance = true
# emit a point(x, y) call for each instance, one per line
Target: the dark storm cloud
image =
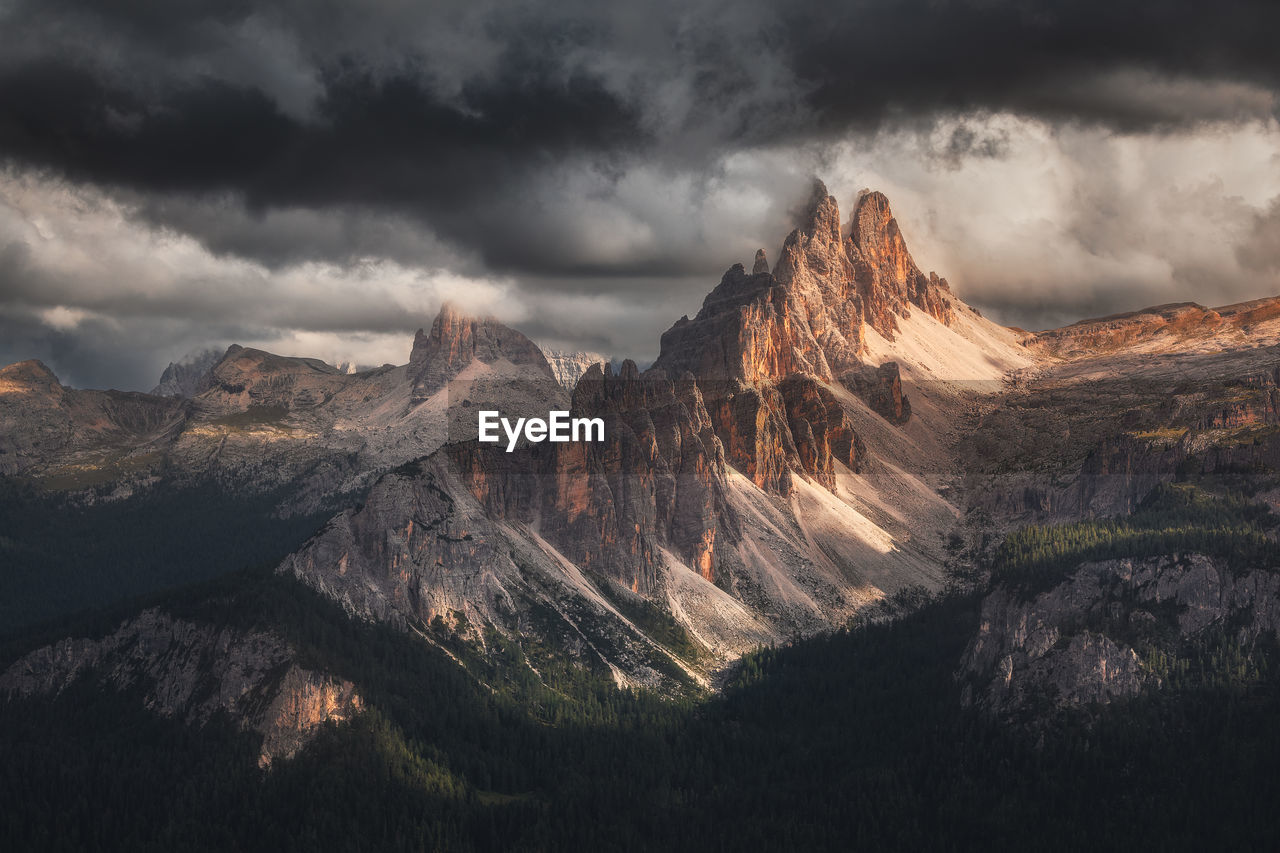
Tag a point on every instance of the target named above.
point(316, 175)
point(465, 118)
point(375, 143)
point(1128, 64)
point(102, 352)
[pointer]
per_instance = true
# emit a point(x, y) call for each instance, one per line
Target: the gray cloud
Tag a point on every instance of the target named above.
point(321, 174)
point(1260, 251)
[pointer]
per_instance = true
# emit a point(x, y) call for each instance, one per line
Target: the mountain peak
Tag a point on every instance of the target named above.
point(873, 226)
point(822, 214)
point(456, 339)
point(450, 312)
point(888, 278)
point(28, 376)
point(810, 314)
point(761, 264)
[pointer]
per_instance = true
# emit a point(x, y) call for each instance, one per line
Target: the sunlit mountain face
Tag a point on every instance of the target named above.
point(573, 426)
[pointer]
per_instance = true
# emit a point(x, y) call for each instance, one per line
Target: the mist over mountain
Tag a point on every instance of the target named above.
point(187, 377)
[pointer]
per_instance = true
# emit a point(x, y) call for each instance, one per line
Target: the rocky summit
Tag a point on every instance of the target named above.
point(456, 341)
point(810, 314)
point(767, 475)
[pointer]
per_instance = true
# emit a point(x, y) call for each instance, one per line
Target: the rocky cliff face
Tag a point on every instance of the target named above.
point(569, 367)
point(192, 671)
point(1075, 644)
point(188, 377)
point(425, 553)
point(881, 388)
point(807, 316)
point(656, 481)
point(821, 429)
point(456, 340)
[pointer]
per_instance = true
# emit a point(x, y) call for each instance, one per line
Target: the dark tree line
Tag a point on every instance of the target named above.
point(854, 740)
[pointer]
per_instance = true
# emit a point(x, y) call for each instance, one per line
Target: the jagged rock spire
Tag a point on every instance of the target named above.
point(822, 220)
point(761, 264)
point(888, 279)
point(811, 314)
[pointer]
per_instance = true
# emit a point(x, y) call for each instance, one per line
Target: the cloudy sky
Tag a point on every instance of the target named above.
point(315, 176)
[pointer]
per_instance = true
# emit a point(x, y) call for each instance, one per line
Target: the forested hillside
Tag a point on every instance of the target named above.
point(853, 740)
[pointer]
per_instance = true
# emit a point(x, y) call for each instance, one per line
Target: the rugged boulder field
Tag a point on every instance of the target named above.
point(854, 565)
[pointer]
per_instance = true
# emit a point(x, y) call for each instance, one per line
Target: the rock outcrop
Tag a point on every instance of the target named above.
point(188, 377)
point(1074, 645)
point(881, 388)
point(456, 340)
point(569, 367)
point(1162, 328)
point(42, 422)
point(762, 263)
point(191, 671)
point(821, 429)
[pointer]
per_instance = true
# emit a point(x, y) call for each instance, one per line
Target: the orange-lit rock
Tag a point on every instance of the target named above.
point(881, 388)
point(820, 429)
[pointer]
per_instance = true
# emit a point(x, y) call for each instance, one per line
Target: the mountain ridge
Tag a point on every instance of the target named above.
point(732, 488)
point(793, 455)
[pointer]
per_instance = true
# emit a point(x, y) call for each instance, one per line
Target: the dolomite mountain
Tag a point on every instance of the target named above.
point(824, 433)
point(569, 367)
point(769, 475)
point(804, 446)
